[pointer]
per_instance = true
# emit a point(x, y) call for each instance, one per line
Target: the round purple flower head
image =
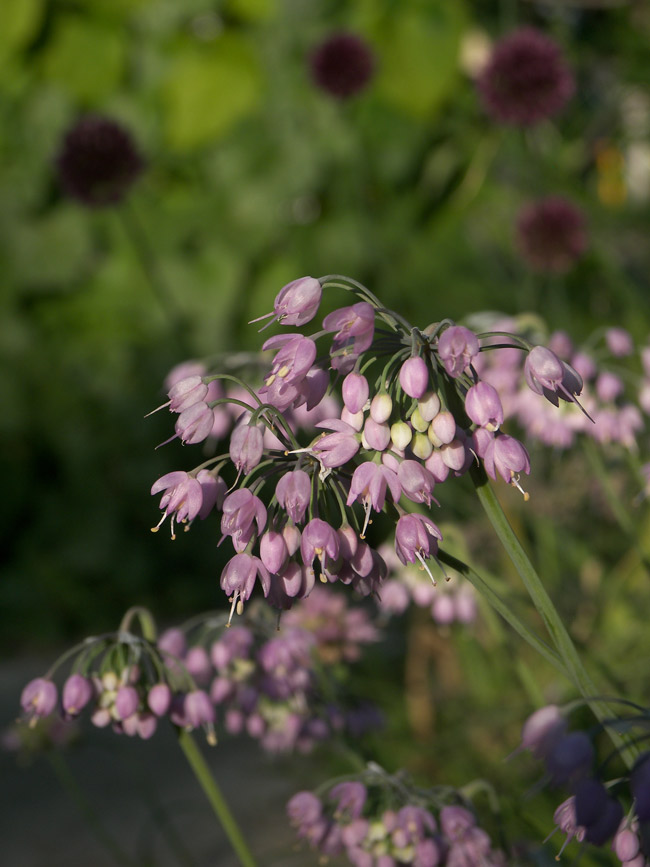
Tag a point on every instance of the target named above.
point(526, 80)
point(98, 161)
point(342, 65)
point(551, 234)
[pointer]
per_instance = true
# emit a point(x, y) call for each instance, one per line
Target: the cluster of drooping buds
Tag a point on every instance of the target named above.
point(379, 820)
point(256, 681)
point(611, 414)
point(594, 813)
point(451, 601)
point(415, 413)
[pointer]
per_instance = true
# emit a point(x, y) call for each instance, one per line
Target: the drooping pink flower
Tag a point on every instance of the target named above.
point(546, 374)
point(483, 406)
point(38, 698)
point(355, 328)
point(457, 346)
point(336, 449)
point(238, 579)
point(416, 538)
point(506, 456)
point(194, 424)
point(416, 481)
point(246, 447)
point(77, 692)
point(242, 512)
point(290, 366)
point(369, 483)
point(619, 342)
point(293, 493)
point(319, 540)
point(296, 303)
point(183, 498)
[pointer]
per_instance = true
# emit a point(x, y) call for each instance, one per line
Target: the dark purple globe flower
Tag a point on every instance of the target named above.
point(98, 161)
point(526, 80)
point(342, 65)
point(551, 234)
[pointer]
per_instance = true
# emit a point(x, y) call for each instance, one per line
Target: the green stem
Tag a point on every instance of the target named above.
point(215, 797)
point(67, 780)
point(557, 631)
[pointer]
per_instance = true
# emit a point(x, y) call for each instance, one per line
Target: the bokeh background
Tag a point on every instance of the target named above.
point(253, 175)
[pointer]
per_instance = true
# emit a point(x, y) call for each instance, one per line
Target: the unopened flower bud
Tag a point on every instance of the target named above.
point(414, 377)
point(483, 406)
point(454, 454)
point(421, 446)
point(246, 447)
point(355, 391)
point(419, 424)
point(77, 692)
point(159, 699)
point(126, 702)
point(375, 436)
point(381, 407)
point(197, 663)
point(429, 405)
point(442, 429)
point(354, 419)
point(400, 434)
point(273, 551)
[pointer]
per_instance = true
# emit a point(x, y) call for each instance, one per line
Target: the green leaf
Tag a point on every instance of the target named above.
point(209, 91)
point(19, 21)
point(418, 48)
point(85, 58)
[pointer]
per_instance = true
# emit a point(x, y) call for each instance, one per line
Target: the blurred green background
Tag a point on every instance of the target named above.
point(254, 177)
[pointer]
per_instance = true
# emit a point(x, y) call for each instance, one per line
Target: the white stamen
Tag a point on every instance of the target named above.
point(426, 568)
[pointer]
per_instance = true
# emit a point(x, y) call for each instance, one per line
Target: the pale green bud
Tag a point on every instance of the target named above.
point(401, 435)
point(418, 422)
point(381, 407)
point(421, 447)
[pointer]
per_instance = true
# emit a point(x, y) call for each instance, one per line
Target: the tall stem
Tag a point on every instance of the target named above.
point(215, 797)
point(557, 631)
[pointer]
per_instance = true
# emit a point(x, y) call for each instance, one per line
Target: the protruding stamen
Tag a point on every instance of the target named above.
point(158, 525)
point(368, 507)
point(514, 481)
point(426, 568)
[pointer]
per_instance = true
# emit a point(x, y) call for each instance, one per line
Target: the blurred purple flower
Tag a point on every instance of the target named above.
point(342, 65)
point(526, 80)
point(551, 234)
point(98, 161)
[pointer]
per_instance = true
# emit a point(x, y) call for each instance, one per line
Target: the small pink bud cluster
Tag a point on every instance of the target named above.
point(565, 375)
point(376, 825)
point(452, 601)
point(268, 688)
point(594, 812)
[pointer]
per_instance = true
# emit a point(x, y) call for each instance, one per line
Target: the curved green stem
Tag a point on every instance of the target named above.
point(215, 797)
point(557, 631)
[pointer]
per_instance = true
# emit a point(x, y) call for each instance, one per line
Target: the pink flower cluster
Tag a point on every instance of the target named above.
point(380, 821)
point(594, 812)
point(267, 687)
point(414, 414)
point(452, 601)
point(611, 412)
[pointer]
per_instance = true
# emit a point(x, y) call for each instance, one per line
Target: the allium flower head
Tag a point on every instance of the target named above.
point(551, 234)
point(342, 65)
point(98, 161)
point(526, 80)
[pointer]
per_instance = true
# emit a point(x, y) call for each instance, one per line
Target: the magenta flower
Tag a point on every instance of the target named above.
point(619, 342)
point(412, 824)
point(238, 579)
point(457, 346)
point(273, 551)
point(293, 493)
point(350, 798)
point(77, 692)
point(183, 498)
point(416, 539)
point(321, 541)
point(483, 406)
point(355, 328)
point(126, 702)
point(416, 481)
point(296, 303)
point(159, 699)
point(342, 65)
point(336, 449)
point(242, 512)
point(194, 424)
point(546, 374)
point(508, 457)
point(290, 366)
point(355, 392)
point(198, 709)
point(414, 377)
point(370, 482)
point(246, 447)
point(526, 80)
point(38, 698)
point(551, 234)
